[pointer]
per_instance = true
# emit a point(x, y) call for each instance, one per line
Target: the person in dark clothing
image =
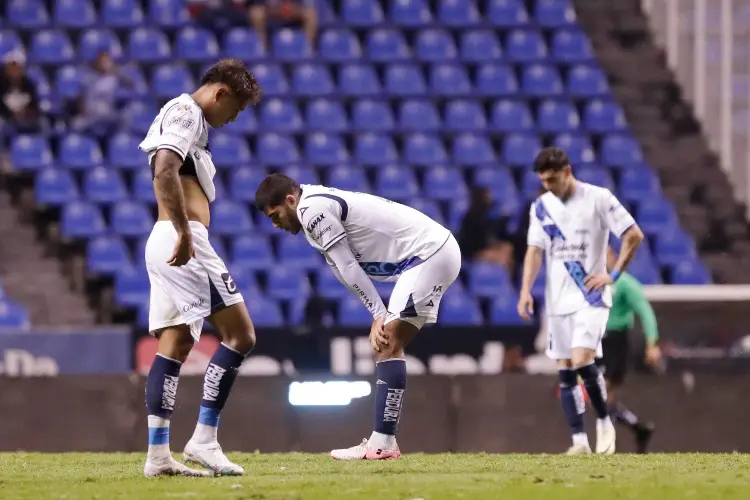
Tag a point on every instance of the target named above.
point(19, 102)
point(484, 237)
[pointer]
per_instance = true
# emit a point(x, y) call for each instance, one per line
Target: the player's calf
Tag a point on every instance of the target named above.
point(574, 406)
point(593, 381)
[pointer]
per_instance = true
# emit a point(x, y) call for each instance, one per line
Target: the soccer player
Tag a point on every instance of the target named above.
point(366, 237)
point(189, 282)
point(571, 223)
point(628, 300)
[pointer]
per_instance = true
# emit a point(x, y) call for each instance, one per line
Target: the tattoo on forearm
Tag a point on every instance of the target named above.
point(169, 192)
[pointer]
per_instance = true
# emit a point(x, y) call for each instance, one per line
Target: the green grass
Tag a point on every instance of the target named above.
point(428, 477)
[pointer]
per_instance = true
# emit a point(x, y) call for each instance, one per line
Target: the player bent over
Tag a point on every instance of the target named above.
point(189, 282)
point(571, 223)
point(628, 299)
point(366, 237)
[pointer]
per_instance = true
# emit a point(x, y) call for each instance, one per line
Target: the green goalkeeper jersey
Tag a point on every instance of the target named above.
point(628, 299)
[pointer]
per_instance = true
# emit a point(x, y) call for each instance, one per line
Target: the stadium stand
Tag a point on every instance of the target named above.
point(414, 100)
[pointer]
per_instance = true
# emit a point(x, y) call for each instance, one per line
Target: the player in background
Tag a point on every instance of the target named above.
point(366, 237)
point(189, 282)
point(570, 223)
point(628, 299)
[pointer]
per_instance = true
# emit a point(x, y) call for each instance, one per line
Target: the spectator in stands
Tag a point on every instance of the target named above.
point(219, 15)
point(96, 109)
point(482, 235)
point(285, 12)
point(19, 102)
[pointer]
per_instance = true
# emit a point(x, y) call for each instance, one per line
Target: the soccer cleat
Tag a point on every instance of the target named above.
point(212, 457)
point(168, 466)
point(579, 449)
point(605, 437)
point(643, 434)
point(364, 452)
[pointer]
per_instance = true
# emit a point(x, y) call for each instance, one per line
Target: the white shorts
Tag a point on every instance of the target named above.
point(417, 293)
point(188, 294)
point(584, 328)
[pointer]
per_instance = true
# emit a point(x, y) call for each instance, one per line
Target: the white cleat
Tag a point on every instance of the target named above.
point(168, 466)
point(212, 457)
point(605, 437)
point(363, 451)
point(579, 449)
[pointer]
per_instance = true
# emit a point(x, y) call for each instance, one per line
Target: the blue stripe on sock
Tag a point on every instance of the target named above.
point(209, 416)
point(158, 435)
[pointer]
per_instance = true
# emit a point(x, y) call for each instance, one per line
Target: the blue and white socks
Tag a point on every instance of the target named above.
point(161, 391)
point(573, 404)
point(389, 397)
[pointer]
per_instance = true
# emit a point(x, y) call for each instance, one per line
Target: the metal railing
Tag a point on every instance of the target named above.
point(707, 43)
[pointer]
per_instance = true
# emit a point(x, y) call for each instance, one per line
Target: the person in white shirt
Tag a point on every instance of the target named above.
point(365, 237)
point(571, 223)
point(189, 282)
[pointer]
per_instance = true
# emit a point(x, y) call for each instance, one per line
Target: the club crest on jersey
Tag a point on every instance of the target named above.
point(315, 222)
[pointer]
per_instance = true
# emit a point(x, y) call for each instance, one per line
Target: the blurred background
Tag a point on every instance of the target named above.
point(438, 104)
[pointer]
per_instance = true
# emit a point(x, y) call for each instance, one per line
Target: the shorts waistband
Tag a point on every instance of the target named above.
point(195, 226)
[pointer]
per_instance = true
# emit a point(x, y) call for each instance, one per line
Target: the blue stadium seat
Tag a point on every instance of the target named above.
point(143, 186)
point(493, 177)
point(418, 116)
point(656, 216)
point(434, 45)
point(196, 45)
point(169, 13)
point(245, 123)
point(449, 80)
point(691, 271)
point(511, 116)
point(302, 175)
point(229, 218)
point(81, 220)
point(488, 280)
point(424, 149)
point(458, 13)
point(443, 183)
point(555, 13)
point(644, 269)
point(464, 116)
point(603, 117)
point(594, 174)
point(571, 46)
point(252, 252)
point(98, 40)
point(217, 243)
point(479, 46)
point(325, 149)
point(68, 82)
point(243, 44)
point(280, 116)
point(578, 148)
point(296, 253)
point(271, 78)
point(284, 283)
point(123, 152)
point(411, 13)
point(428, 207)
point(55, 187)
point(587, 81)
point(121, 13)
point(459, 309)
point(339, 46)
point(73, 13)
point(171, 80)
point(503, 311)
point(374, 149)
point(507, 13)
point(372, 116)
point(39, 79)
point(673, 247)
point(396, 182)
point(130, 218)
point(107, 255)
point(530, 185)
point(404, 80)
point(290, 45)
point(358, 80)
point(265, 313)
point(139, 87)
point(471, 149)
point(14, 316)
point(132, 287)
point(51, 47)
point(229, 150)
point(387, 45)
point(326, 116)
point(30, 152)
point(328, 286)
point(520, 149)
point(362, 12)
point(496, 80)
point(540, 80)
point(28, 14)
point(244, 181)
point(525, 46)
point(348, 178)
point(9, 42)
point(637, 183)
point(353, 313)
point(312, 80)
point(621, 150)
point(79, 152)
point(104, 185)
point(555, 116)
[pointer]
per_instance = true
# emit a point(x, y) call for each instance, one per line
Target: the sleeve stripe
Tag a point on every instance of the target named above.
point(172, 148)
point(334, 241)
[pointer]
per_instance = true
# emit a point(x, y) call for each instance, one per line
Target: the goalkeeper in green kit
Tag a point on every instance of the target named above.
point(628, 299)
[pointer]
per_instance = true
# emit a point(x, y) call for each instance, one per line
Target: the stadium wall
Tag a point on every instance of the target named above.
point(497, 414)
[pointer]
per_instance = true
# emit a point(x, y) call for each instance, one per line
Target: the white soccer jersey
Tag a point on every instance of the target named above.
point(181, 127)
point(386, 237)
point(575, 235)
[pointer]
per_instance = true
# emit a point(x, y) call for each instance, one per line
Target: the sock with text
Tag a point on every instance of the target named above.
point(593, 381)
point(573, 404)
point(389, 398)
point(217, 384)
point(161, 391)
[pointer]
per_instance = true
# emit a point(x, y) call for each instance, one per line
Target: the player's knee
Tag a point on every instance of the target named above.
point(175, 342)
point(241, 340)
point(582, 357)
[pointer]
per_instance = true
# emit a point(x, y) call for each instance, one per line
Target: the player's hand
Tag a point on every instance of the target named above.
point(653, 356)
point(597, 281)
point(183, 250)
point(378, 337)
point(525, 305)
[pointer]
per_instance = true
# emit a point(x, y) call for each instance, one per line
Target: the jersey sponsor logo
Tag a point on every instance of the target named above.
point(315, 222)
point(198, 303)
point(229, 283)
point(181, 121)
point(369, 304)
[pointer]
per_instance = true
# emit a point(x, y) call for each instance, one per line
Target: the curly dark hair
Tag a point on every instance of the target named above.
point(551, 158)
point(234, 74)
point(273, 189)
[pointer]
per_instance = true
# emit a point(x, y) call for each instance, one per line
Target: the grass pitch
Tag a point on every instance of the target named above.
point(427, 477)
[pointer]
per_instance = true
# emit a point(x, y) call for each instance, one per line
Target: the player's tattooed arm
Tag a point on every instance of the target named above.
point(168, 188)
